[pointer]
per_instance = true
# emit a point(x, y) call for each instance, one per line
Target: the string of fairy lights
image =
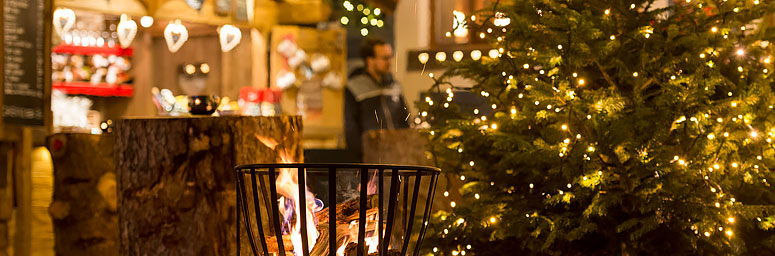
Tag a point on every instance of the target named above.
point(360, 15)
point(716, 126)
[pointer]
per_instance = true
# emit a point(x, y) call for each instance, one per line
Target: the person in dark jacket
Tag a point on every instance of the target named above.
point(373, 100)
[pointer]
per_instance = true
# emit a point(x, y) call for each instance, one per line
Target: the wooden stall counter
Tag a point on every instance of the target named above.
point(175, 177)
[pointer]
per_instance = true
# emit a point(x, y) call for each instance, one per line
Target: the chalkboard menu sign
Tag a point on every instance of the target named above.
point(24, 50)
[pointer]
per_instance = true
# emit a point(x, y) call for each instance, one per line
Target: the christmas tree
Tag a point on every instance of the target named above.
point(617, 128)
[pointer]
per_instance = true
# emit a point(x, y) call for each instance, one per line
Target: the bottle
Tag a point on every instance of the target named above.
point(267, 105)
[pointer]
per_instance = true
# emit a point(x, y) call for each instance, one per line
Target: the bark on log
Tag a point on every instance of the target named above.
point(176, 185)
point(83, 208)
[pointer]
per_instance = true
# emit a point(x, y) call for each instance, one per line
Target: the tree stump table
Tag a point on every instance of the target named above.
point(83, 209)
point(175, 176)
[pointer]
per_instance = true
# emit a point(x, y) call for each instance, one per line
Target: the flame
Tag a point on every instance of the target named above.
point(288, 189)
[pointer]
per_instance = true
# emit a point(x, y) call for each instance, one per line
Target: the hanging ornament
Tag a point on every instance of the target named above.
point(195, 4)
point(333, 81)
point(175, 34)
point(287, 48)
point(230, 36)
point(299, 57)
point(64, 19)
point(127, 29)
point(319, 63)
point(285, 79)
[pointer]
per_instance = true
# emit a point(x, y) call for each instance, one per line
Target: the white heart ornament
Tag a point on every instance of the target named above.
point(319, 63)
point(230, 36)
point(285, 79)
point(297, 58)
point(333, 81)
point(64, 19)
point(287, 48)
point(175, 34)
point(127, 29)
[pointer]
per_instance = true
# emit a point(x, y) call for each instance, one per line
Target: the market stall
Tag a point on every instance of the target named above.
point(144, 75)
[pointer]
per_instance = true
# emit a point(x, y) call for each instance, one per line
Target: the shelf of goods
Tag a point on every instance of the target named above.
point(99, 89)
point(92, 50)
point(87, 88)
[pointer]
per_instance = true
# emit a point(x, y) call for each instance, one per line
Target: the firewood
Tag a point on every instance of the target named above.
point(347, 209)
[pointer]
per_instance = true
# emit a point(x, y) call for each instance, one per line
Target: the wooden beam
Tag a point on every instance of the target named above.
point(134, 8)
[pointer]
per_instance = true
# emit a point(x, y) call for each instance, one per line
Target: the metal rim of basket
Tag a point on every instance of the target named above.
point(425, 170)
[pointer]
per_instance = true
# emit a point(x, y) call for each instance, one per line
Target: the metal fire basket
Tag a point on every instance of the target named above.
point(394, 219)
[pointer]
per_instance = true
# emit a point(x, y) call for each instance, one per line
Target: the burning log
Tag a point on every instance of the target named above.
point(321, 245)
point(346, 213)
point(352, 250)
point(346, 210)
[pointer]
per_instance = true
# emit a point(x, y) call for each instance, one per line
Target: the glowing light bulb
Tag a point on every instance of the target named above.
point(493, 53)
point(635, 74)
point(146, 21)
point(457, 56)
point(607, 11)
point(740, 52)
point(476, 55)
point(441, 56)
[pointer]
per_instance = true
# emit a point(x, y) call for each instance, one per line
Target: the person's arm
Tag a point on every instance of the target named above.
point(352, 125)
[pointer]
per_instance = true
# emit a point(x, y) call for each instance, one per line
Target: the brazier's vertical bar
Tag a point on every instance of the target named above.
point(410, 218)
point(302, 211)
point(362, 211)
point(391, 210)
point(406, 198)
point(278, 233)
point(267, 202)
point(426, 216)
point(243, 195)
point(331, 211)
point(379, 206)
point(258, 212)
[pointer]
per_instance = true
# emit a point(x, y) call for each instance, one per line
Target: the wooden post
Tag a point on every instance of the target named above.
point(23, 181)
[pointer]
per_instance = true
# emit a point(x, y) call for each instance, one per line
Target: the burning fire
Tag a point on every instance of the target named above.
point(288, 188)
